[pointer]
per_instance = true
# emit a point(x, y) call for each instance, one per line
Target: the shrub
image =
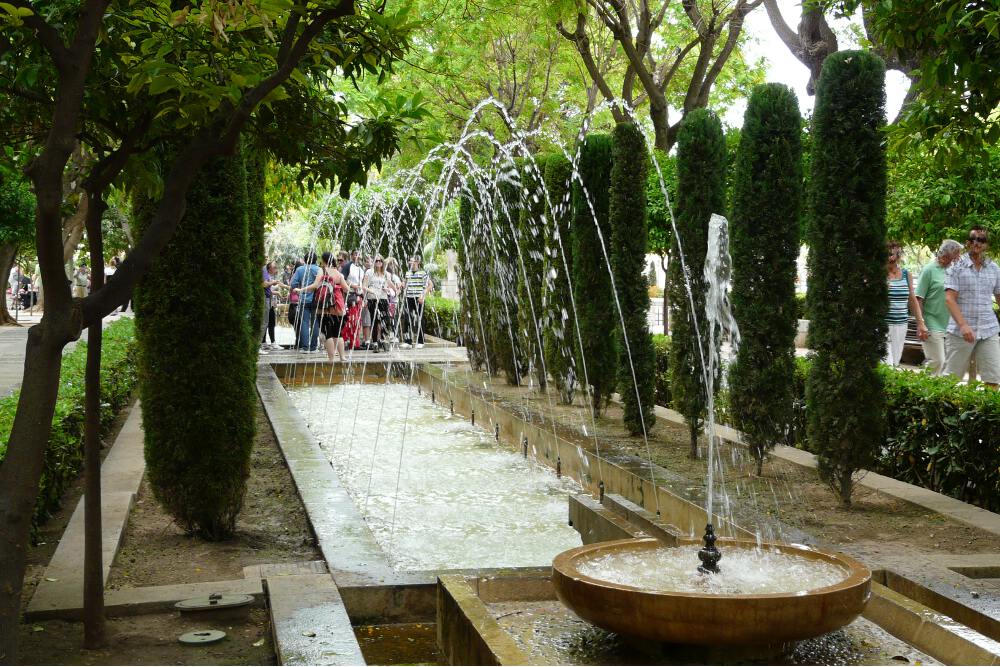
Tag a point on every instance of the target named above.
point(560, 340)
point(532, 230)
point(64, 453)
point(627, 215)
point(661, 354)
point(198, 398)
point(441, 317)
point(701, 178)
point(765, 242)
point(847, 289)
point(591, 286)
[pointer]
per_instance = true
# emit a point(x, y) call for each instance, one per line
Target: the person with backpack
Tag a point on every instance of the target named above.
point(308, 331)
point(330, 304)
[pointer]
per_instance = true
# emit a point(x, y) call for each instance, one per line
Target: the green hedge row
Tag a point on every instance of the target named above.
point(64, 455)
point(940, 434)
point(441, 317)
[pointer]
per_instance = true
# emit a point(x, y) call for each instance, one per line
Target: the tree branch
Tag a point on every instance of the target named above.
point(47, 35)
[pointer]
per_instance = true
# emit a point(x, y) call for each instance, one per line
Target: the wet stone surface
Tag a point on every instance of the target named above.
point(551, 634)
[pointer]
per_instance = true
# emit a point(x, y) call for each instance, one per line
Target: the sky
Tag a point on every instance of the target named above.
point(785, 68)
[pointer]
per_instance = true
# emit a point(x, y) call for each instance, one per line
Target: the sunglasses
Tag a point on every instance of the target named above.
point(978, 239)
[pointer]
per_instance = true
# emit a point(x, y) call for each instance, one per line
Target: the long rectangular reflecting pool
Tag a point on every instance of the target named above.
point(437, 492)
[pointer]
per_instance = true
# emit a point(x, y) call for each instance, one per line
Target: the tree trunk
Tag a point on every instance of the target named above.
point(93, 565)
point(7, 254)
point(693, 429)
point(663, 137)
point(21, 469)
point(73, 229)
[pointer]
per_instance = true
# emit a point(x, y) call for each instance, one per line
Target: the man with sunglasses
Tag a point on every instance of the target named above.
point(971, 287)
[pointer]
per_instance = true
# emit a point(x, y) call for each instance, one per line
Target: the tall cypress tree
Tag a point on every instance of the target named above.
point(627, 214)
point(701, 191)
point(765, 244)
point(256, 168)
point(848, 295)
point(198, 400)
point(531, 235)
point(560, 342)
point(505, 274)
point(591, 281)
point(469, 283)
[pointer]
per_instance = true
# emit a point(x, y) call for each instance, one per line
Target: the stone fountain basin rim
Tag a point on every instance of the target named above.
point(857, 573)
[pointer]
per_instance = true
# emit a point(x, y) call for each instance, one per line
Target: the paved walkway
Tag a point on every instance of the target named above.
point(12, 342)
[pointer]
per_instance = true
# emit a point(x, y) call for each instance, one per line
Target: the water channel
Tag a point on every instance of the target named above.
point(437, 492)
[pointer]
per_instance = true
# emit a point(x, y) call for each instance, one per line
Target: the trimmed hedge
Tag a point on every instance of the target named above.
point(661, 361)
point(848, 293)
point(441, 317)
point(627, 216)
point(532, 234)
point(64, 454)
point(591, 284)
point(560, 341)
point(198, 396)
point(701, 191)
point(764, 243)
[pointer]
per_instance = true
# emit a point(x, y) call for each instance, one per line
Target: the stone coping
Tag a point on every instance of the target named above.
point(61, 590)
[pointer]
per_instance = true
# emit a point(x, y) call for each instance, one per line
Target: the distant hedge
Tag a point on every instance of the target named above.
point(441, 317)
point(64, 454)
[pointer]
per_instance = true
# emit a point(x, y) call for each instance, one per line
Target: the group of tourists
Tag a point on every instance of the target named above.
point(953, 306)
point(355, 303)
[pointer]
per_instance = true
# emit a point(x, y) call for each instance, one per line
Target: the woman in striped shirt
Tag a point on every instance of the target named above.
point(902, 301)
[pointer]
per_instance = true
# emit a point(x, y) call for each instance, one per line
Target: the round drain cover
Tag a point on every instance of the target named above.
point(214, 601)
point(199, 637)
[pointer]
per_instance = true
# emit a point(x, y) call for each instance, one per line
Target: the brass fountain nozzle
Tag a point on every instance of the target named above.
point(709, 554)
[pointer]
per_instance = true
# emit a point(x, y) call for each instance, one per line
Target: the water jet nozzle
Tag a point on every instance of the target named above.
point(496, 432)
point(709, 555)
point(600, 491)
point(558, 467)
point(473, 417)
point(432, 395)
point(524, 446)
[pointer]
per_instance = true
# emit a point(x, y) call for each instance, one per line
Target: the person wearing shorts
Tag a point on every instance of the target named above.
point(971, 287)
point(331, 323)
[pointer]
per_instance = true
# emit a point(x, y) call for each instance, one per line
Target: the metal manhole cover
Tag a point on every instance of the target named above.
point(200, 637)
point(214, 601)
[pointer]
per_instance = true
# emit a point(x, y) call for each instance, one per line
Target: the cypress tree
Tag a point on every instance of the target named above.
point(765, 243)
point(591, 282)
point(256, 167)
point(198, 399)
point(559, 329)
point(701, 191)
point(405, 237)
point(627, 214)
point(505, 275)
point(848, 295)
point(469, 283)
point(531, 235)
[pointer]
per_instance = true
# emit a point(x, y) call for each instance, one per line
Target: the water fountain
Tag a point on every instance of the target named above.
point(718, 602)
point(765, 594)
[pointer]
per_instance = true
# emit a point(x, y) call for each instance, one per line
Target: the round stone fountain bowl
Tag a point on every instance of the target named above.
point(705, 618)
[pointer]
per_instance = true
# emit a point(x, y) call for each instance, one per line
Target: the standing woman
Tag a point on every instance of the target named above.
point(268, 282)
point(902, 301)
point(375, 285)
point(394, 288)
point(331, 289)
